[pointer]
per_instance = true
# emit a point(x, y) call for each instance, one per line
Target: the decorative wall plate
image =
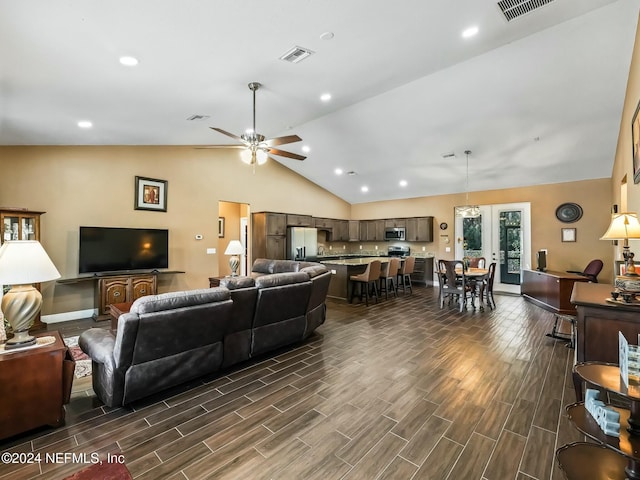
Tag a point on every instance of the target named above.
point(569, 212)
point(443, 226)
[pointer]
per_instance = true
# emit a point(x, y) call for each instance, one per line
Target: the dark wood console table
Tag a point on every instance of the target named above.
point(598, 323)
point(550, 290)
point(35, 383)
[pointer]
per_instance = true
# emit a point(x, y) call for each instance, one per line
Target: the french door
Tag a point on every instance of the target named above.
point(501, 234)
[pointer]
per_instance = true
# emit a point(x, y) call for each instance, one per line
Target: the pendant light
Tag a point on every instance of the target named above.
point(468, 211)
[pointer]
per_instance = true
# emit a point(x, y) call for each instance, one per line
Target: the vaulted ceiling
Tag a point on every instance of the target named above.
point(537, 99)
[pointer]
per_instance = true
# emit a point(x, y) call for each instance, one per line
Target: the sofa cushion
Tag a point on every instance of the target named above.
point(313, 270)
point(234, 283)
point(281, 279)
point(173, 300)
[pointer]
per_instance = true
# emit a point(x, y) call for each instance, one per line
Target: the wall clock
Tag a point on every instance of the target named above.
point(569, 212)
point(443, 226)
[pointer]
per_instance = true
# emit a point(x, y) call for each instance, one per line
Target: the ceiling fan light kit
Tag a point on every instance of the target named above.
point(256, 148)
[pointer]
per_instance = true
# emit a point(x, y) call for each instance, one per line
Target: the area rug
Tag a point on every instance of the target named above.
point(83, 362)
point(103, 471)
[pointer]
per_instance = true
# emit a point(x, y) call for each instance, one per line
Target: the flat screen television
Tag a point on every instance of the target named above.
point(112, 249)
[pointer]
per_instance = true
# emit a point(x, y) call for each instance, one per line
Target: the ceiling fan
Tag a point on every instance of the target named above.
point(256, 149)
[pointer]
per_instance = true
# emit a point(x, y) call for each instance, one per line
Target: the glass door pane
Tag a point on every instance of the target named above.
point(510, 246)
point(10, 228)
point(28, 228)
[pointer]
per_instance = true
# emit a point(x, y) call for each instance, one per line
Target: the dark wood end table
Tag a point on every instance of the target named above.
point(117, 309)
point(35, 383)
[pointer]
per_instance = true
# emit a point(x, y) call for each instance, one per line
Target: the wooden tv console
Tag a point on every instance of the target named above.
point(120, 288)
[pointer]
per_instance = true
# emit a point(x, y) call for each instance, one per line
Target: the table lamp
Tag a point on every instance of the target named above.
point(623, 227)
point(234, 249)
point(23, 263)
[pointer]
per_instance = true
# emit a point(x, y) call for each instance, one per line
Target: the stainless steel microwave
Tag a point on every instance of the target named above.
point(396, 233)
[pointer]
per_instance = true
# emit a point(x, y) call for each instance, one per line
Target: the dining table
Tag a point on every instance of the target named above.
point(474, 276)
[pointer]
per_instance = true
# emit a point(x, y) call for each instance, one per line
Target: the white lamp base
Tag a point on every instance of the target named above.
point(234, 261)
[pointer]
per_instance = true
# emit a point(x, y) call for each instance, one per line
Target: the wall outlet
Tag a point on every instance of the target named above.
point(424, 249)
point(333, 272)
point(544, 250)
point(360, 247)
point(211, 251)
point(447, 249)
point(330, 247)
point(344, 247)
point(376, 247)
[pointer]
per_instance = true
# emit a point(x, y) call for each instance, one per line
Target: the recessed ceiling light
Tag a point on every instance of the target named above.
point(470, 32)
point(129, 61)
point(306, 148)
point(327, 36)
point(85, 124)
point(338, 171)
point(364, 189)
point(403, 183)
point(325, 97)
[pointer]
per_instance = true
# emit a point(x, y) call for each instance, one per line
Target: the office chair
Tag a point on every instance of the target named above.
point(591, 271)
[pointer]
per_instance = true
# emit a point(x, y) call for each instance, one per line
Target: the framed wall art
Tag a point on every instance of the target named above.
point(221, 227)
point(635, 144)
point(151, 194)
point(568, 234)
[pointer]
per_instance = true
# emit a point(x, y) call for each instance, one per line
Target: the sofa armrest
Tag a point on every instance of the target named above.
point(98, 343)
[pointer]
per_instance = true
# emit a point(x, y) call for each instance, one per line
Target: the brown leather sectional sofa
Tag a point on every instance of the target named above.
point(175, 337)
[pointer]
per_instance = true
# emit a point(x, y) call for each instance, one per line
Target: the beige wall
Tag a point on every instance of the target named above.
point(94, 185)
point(623, 166)
point(594, 196)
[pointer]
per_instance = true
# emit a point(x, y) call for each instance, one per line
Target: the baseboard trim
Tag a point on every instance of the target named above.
point(68, 316)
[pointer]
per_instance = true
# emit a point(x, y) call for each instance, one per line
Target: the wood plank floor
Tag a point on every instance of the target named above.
point(398, 390)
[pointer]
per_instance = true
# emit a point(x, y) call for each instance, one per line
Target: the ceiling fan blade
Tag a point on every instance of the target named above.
point(221, 146)
point(282, 153)
point(272, 142)
point(224, 132)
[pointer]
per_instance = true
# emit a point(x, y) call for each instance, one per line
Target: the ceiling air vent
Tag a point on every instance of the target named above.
point(296, 54)
point(516, 8)
point(195, 118)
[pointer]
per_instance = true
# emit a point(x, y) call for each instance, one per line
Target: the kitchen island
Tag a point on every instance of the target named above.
point(340, 286)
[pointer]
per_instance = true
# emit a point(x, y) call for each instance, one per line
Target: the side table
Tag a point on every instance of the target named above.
point(215, 281)
point(117, 309)
point(35, 383)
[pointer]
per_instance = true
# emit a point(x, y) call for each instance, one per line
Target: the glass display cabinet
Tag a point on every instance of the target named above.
point(20, 224)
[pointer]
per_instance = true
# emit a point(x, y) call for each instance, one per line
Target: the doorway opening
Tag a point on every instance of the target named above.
point(501, 234)
point(234, 219)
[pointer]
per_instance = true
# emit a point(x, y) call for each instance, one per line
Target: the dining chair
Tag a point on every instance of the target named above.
point(368, 279)
point(486, 290)
point(477, 262)
point(453, 284)
point(404, 275)
point(389, 272)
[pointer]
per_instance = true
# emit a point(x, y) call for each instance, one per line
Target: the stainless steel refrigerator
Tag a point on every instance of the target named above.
point(302, 243)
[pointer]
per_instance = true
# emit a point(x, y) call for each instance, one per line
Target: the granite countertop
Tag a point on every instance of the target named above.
point(353, 261)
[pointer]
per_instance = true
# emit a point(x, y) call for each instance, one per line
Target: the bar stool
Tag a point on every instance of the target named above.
point(404, 276)
point(369, 278)
point(388, 277)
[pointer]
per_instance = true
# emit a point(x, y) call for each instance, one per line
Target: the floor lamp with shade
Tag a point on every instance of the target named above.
point(23, 263)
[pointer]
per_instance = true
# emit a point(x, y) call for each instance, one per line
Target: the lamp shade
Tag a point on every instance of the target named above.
point(24, 262)
point(234, 248)
point(623, 226)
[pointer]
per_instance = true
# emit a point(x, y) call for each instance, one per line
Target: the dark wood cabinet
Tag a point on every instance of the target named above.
point(423, 271)
point(340, 231)
point(21, 224)
point(372, 230)
point(354, 230)
point(35, 383)
point(395, 223)
point(298, 220)
point(324, 223)
point(268, 238)
point(123, 288)
point(419, 229)
point(550, 290)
